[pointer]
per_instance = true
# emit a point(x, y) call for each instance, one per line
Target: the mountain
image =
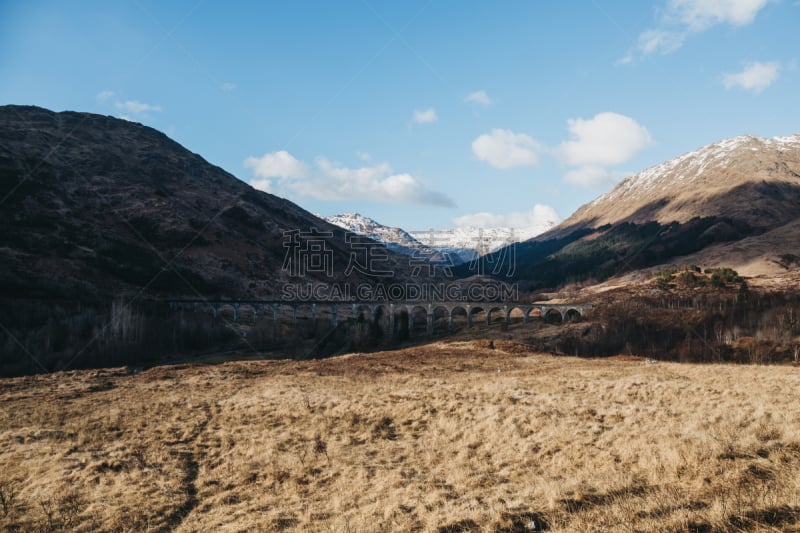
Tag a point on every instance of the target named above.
point(93, 206)
point(470, 242)
point(103, 219)
point(459, 245)
point(733, 203)
point(401, 241)
point(748, 179)
point(395, 239)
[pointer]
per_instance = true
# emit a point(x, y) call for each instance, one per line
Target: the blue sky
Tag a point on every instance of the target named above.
point(418, 114)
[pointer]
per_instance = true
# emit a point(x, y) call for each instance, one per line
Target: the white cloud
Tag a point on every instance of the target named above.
point(227, 86)
point(364, 156)
point(699, 15)
point(281, 172)
point(660, 41)
point(681, 18)
point(478, 97)
point(593, 177)
point(506, 149)
point(654, 41)
point(136, 107)
point(262, 184)
point(104, 96)
point(606, 139)
point(424, 116)
point(539, 217)
point(755, 77)
point(378, 183)
point(280, 164)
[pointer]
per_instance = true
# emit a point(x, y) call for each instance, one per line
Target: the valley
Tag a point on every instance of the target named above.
point(184, 352)
point(452, 436)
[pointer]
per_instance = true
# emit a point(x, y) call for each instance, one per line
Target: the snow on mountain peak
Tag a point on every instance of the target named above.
point(362, 225)
point(461, 243)
point(685, 168)
point(680, 189)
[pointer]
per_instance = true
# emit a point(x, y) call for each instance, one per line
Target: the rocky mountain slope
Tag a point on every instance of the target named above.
point(366, 226)
point(748, 179)
point(471, 242)
point(460, 245)
point(433, 249)
point(92, 206)
point(733, 203)
point(395, 239)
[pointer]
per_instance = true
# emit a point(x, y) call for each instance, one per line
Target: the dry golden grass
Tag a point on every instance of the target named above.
point(448, 437)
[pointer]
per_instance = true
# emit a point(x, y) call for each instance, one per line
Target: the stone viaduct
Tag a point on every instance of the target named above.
point(391, 309)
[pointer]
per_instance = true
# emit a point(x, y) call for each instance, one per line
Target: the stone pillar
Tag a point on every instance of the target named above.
point(469, 316)
point(256, 308)
point(235, 312)
point(215, 308)
point(450, 320)
point(507, 312)
point(275, 312)
point(391, 319)
point(335, 315)
point(410, 320)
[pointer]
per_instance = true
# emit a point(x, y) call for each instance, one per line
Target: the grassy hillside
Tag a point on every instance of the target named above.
point(592, 255)
point(466, 436)
point(120, 208)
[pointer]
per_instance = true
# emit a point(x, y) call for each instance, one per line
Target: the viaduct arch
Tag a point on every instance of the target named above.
point(334, 311)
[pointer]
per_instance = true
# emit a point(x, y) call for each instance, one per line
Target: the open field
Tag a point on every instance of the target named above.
point(460, 436)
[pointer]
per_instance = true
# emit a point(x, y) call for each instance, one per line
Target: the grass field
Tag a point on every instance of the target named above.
point(460, 436)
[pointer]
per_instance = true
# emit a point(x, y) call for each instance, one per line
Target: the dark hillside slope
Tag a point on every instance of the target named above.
point(102, 220)
point(93, 206)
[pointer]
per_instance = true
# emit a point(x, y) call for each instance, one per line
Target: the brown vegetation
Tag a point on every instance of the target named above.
point(684, 313)
point(461, 436)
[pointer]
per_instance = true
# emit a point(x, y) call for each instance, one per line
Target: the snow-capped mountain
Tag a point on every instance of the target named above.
point(458, 245)
point(469, 242)
point(734, 203)
point(395, 239)
point(742, 178)
point(369, 228)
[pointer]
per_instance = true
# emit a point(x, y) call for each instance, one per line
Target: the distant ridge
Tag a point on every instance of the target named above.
point(460, 244)
point(733, 203)
point(748, 178)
